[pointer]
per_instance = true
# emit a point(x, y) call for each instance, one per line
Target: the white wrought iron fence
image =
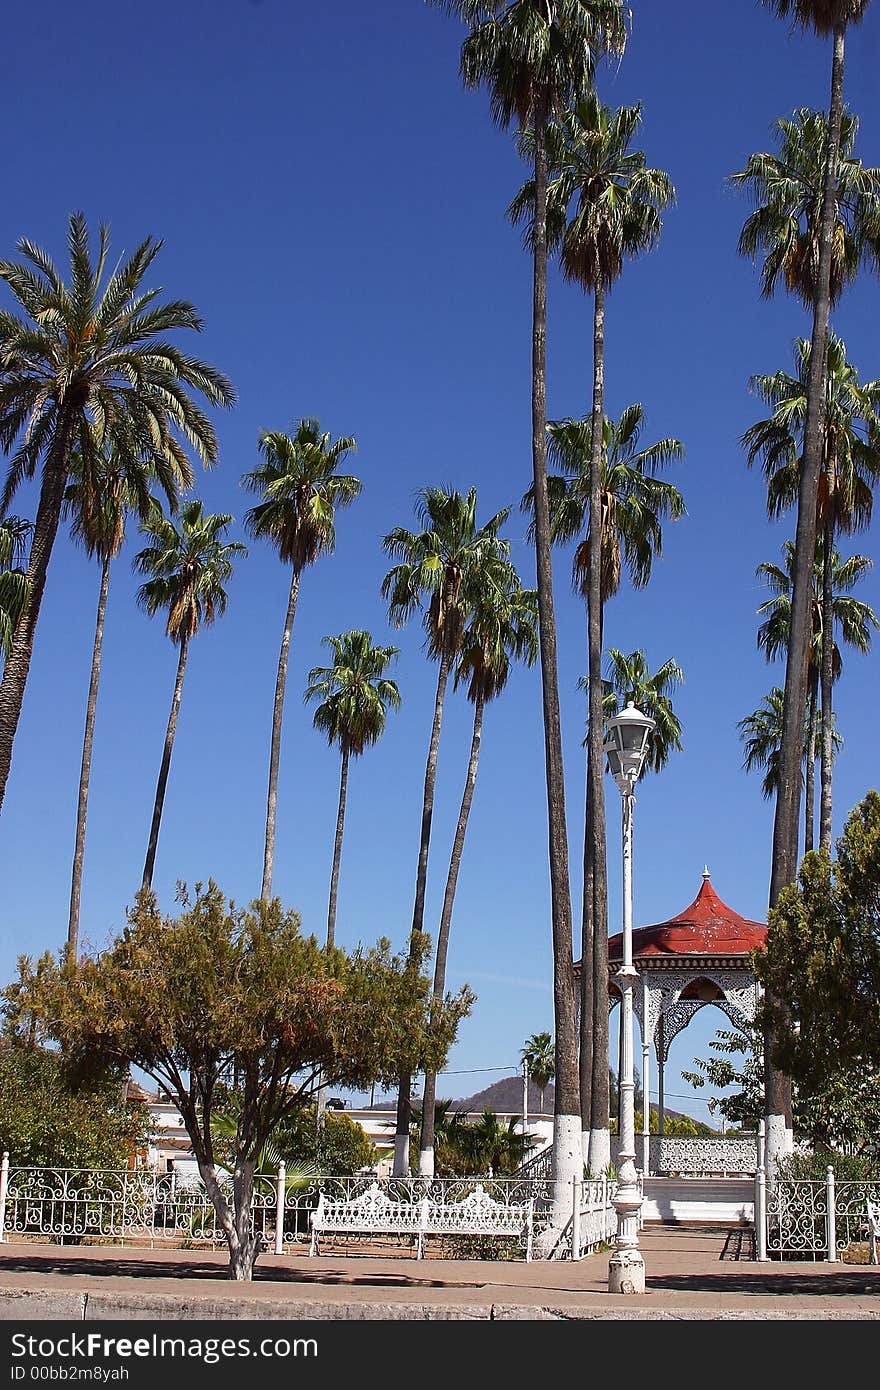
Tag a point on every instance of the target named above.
point(141, 1206)
point(817, 1219)
point(594, 1220)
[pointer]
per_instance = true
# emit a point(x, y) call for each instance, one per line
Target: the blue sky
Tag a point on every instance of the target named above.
point(333, 202)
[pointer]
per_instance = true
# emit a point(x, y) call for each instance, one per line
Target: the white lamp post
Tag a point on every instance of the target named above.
point(626, 747)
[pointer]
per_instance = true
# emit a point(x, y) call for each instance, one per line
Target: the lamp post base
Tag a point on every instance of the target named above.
point(626, 1272)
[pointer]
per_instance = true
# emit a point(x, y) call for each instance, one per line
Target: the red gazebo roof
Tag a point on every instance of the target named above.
point(707, 928)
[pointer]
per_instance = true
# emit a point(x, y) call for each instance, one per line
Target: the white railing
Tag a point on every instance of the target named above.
point(145, 1207)
point(817, 1218)
point(594, 1222)
point(706, 1156)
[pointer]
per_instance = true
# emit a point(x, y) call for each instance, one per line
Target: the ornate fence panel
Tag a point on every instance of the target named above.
point(136, 1205)
point(701, 1156)
point(597, 1218)
point(818, 1219)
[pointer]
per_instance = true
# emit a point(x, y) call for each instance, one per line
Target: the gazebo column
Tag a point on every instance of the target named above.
point(661, 1070)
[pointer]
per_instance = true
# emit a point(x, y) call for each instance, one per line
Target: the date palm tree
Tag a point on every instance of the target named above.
point(537, 58)
point(301, 491)
point(616, 202)
point(97, 501)
point(441, 571)
point(854, 619)
point(187, 568)
point(355, 696)
point(629, 678)
point(539, 1055)
point(634, 504)
point(90, 363)
point(502, 629)
point(850, 467)
point(826, 18)
point(15, 533)
point(604, 207)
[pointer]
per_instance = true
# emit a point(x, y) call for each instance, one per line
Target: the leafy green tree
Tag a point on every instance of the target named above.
point(88, 366)
point(850, 467)
point(502, 629)
point(537, 60)
point(635, 502)
point(187, 570)
point(487, 1147)
point(301, 492)
point(355, 696)
point(441, 572)
point(49, 1121)
point(736, 1065)
point(539, 1055)
point(224, 991)
point(102, 492)
point(15, 533)
point(820, 969)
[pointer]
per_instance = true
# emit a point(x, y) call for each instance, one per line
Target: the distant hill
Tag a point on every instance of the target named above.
point(505, 1097)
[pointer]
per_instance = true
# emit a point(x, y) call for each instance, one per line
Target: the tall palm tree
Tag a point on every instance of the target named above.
point(761, 733)
point(825, 18)
point(539, 1055)
point(787, 188)
point(634, 504)
point(537, 58)
point(355, 696)
point(187, 568)
point(89, 364)
point(617, 201)
point(850, 466)
point(629, 678)
point(854, 619)
point(97, 501)
point(441, 569)
point(15, 534)
point(301, 491)
point(502, 629)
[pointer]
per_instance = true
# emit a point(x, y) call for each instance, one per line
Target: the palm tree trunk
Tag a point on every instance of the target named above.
point(163, 770)
point(777, 1088)
point(586, 996)
point(334, 890)
point(810, 779)
point(17, 666)
point(404, 1083)
point(275, 754)
point(600, 1136)
point(567, 1141)
point(86, 768)
point(827, 745)
point(337, 848)
point(426, 1140)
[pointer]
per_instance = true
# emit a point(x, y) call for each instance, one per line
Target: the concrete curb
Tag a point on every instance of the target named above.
point(47, 1304)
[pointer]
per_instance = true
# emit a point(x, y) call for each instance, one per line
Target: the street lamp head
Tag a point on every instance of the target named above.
point(626, 743)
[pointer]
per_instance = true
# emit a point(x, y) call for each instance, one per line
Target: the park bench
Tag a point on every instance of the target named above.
point(873, 1228)
point(375, 1213)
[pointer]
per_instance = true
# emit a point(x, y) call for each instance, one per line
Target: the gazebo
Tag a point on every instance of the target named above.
point(698, 957)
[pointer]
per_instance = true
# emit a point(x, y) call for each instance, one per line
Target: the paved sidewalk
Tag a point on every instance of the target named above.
point(688, 1277)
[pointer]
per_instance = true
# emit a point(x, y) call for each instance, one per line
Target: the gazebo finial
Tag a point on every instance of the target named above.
point(706, 873)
